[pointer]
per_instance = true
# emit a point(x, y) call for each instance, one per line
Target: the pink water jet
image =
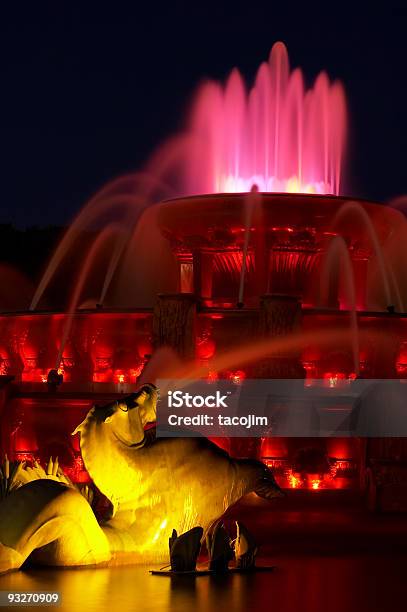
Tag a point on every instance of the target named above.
point(276, 134)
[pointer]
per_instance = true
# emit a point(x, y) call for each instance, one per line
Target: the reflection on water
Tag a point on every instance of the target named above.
point(309, 584)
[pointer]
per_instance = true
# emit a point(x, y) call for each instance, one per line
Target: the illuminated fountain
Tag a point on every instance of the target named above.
point(277, 135)
point(270, 252)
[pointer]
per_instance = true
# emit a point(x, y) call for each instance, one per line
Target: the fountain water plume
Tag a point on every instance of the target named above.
point(276, 134)
point(113, 263)
point(355, 208)
point(400, 204)
point(246, 354)
point(338, 255)
point(116, 196)
point(89, 214)
point(94, 250)
point(250, 204)
point(148, 265)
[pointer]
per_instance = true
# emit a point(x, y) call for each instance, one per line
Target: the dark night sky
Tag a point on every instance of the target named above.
point(88, 90)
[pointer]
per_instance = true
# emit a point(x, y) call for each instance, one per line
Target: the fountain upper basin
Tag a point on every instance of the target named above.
point(289, 234)
point(203, 215)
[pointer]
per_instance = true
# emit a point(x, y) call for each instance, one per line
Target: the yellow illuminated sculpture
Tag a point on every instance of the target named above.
point(154, 485)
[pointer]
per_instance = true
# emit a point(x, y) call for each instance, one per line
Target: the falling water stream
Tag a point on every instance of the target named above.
point(249, 205)
point(94, 250)
point(131, 194)
point(355, 208)
point(163, 367)
point(337, 254)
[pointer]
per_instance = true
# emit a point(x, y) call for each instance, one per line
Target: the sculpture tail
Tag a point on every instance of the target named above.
point(52, 522)
point(10, 559)
point(266, 486)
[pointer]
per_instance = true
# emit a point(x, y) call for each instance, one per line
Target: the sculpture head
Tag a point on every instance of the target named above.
point(125, 419)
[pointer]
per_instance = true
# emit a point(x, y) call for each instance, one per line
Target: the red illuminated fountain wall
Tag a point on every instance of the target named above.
point(225, 280)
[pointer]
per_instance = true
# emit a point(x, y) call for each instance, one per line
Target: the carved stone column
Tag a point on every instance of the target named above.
point(186, 273)
point(203, 273)
point(174, 323)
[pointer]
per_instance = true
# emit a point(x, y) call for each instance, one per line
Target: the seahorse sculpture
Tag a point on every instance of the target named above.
point(154, 485)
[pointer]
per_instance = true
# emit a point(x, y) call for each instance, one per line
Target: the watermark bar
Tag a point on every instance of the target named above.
point(29, 598)
point(294, 408)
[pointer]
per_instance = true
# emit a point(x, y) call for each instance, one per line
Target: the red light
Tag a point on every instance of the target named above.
point(401, 360)
point(134, 373)
point(237, 377)
point(25, 456)
point(282, 229)
point(102, 377)
point(205, 348)
point(212, 376)
point(341, 467)
point(275, 464)
point(293, 481)
point(401, 368)
point(222, 305)
point(333, 379)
